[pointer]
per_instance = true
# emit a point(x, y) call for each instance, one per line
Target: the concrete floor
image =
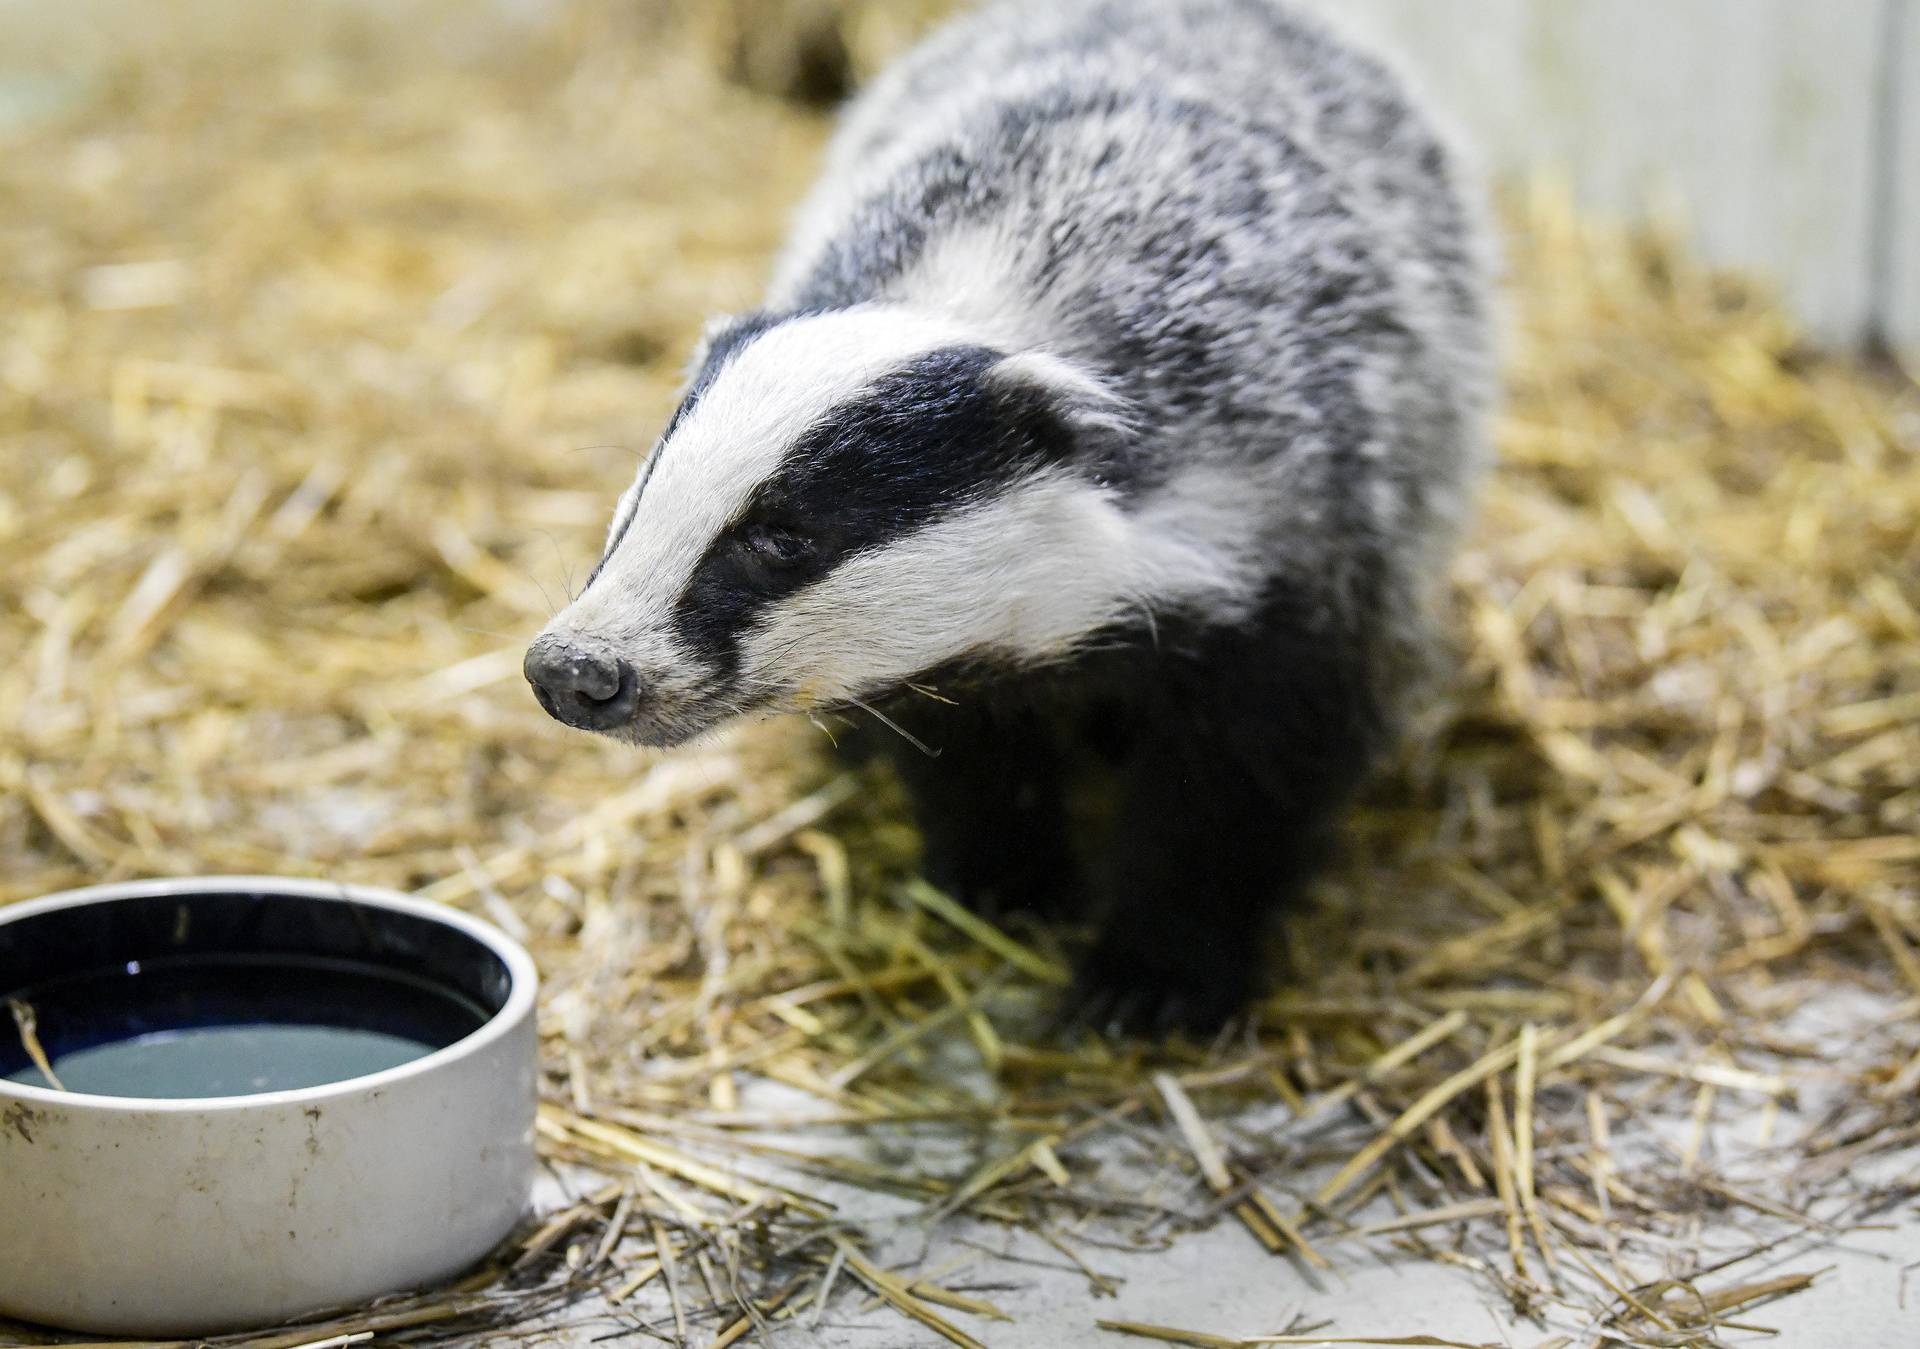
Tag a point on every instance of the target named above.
point(1220, 1281)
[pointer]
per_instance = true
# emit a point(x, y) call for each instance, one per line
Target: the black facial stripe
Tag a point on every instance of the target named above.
point(922, 441)
point(626, 521)
point(721, 348)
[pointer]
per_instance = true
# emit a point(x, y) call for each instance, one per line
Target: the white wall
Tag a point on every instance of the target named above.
point(1765, 122)
point(1902, 219)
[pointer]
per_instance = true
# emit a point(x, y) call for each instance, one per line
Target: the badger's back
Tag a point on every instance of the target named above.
point(1240, 223)
point(1261, 65)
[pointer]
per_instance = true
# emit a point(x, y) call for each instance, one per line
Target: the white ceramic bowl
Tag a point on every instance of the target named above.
point(137, 1216)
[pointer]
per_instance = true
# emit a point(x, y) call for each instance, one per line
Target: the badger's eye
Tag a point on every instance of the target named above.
point(775, 546)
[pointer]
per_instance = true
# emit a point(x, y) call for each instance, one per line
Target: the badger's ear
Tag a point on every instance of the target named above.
point(721, 337)
point(718, 343)
point(1083, 406)
point(710, 332)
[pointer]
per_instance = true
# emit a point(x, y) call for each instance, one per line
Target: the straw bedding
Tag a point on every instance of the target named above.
point(325, 355)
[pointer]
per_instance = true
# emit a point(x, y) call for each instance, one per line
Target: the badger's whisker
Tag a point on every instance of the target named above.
point(823, 728)
point(515, 637)
point(896, 728)
point(610, 445)
point(552, 608)
point(566, 567)
point(1153, 623)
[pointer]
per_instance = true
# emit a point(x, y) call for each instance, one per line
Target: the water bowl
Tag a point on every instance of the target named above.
point(268, 1098)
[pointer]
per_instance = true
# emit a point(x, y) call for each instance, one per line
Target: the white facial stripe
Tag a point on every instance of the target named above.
point(1028, 574)
point(736, 436)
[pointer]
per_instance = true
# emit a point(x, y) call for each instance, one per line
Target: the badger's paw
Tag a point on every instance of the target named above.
point(1131, 994)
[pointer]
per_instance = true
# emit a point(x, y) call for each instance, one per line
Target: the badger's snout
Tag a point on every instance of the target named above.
point(587, 689)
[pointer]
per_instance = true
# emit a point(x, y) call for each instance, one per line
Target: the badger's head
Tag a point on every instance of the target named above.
point(844, 501)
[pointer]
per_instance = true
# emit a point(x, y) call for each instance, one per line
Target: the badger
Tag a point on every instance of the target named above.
point(1105, 432)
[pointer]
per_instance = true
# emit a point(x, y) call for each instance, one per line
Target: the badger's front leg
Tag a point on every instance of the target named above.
point(1230, 799)
point(987, 795)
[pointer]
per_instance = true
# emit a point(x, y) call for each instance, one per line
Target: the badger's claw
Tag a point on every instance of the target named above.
point(1122, 996)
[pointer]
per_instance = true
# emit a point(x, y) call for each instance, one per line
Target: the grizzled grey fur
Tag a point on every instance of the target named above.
point(1123, 384)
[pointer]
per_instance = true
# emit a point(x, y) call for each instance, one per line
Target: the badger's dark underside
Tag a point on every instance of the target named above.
point(1178, 785)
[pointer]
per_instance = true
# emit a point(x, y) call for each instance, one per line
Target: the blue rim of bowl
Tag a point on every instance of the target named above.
point(523, 980)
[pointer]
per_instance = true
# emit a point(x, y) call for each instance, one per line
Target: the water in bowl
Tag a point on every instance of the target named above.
point(217, 1025)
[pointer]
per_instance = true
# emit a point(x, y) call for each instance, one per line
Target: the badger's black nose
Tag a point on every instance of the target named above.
point(582, 688)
